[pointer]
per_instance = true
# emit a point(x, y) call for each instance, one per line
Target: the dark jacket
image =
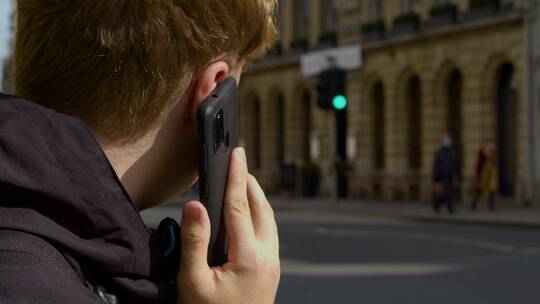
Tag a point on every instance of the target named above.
point(57, 185)
point(446, 166)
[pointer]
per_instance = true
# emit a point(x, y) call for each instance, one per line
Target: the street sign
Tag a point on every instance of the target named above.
point(347, 57)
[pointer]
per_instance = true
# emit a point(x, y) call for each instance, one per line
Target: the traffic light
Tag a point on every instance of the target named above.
point(332, 95)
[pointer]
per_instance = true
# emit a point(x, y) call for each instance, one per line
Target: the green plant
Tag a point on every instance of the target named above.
point(310, 169)
point(480, 3)
point(442, 9)
point(330, 37)
point(373, 26)
point(407, 17)
point(344, 166)
point(276, 48)
point(301, 43)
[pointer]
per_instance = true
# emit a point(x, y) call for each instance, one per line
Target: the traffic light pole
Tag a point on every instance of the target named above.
point(332, 97)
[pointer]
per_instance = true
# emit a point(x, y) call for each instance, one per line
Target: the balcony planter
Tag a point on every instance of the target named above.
point(483, 8)
point(443, 15)
point(326, 40)
point(311, 177)
point(373, 31)
point(299, 45)
point(275, 52)
point(406, 24)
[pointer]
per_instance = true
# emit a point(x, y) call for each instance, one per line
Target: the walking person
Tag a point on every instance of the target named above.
point(445, 171)
point(476, 190)
point(488, 179)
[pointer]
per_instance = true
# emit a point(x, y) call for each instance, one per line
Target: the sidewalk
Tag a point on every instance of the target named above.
point(505, 215)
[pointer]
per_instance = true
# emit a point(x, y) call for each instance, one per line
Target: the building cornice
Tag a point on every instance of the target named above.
point(514, 17)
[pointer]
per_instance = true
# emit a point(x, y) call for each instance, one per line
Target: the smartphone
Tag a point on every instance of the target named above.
point(217, 131)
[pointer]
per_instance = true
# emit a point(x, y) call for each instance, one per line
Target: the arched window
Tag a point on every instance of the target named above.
point(306, 125)
point(408, 6)
point(414, 96)
point(377, 10)
point(250, 130)
point(378, 126)
point(454, 105)
point(279, 115)
point(327, 16)
point(300, 19)
point(506, 129)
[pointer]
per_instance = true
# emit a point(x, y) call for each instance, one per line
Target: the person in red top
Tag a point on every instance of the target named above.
point(476, 189)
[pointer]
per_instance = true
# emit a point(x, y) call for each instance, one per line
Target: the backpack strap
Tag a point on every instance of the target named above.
point(23, 250)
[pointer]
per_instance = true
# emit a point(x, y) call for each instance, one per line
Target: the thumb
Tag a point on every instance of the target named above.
point(195, 234)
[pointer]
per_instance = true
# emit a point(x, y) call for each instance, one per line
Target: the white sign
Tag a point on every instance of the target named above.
point(347, 57)
point(314, 146)
point(351, 147)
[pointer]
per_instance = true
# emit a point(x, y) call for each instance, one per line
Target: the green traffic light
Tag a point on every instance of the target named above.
point(339, 102)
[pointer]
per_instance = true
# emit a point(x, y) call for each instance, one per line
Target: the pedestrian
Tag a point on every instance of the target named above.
point(445, 172)
point(104, 126)
point(488, 178)
point(476, 190)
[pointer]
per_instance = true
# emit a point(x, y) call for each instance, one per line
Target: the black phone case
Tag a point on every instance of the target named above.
point(214, 165)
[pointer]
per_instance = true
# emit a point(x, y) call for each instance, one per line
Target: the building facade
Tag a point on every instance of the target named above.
point(429, 67)
point(8, 71)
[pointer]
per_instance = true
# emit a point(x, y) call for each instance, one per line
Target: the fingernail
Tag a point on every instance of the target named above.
point(240, 154)
point(190, 214)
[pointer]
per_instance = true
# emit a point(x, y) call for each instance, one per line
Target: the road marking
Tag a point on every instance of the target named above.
point(415, 237)
point(292, 267)
point(531, 250)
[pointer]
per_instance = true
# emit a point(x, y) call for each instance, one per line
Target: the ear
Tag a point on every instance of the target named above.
point(206, 82)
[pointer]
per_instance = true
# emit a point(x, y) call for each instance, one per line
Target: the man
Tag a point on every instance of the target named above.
point(445, 171)
point(109, 130)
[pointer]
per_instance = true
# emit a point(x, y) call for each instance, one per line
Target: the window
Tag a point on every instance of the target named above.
point(377, 10)
point(408, 6)
point(328, 16)
point(301, 18)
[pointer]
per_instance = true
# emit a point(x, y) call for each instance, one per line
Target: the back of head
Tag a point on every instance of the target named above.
point(118, 64)
point(447, 140)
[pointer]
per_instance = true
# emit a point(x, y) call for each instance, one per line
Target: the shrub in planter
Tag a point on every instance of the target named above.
point(483, 8)
point(373, 30)
point(411, 17)
point(299, 44)
point(373, 26)
point(443, 14)
point(275, 51)
point(311, 176)
point(344, 167)
point(482, 3)
point(406, 23)
point(443, 9)
point(328, 38)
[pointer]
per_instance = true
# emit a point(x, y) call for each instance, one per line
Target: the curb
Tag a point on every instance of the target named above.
point(475, 222)
point(445, 219)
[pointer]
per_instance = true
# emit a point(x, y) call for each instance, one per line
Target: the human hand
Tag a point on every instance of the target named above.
point(252, 272)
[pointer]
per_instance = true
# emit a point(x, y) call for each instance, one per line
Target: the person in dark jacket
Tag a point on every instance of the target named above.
point(104, 127)
point(445, 171)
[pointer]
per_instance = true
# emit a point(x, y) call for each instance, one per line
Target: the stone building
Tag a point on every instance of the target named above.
point(8, 74)
point(8, 71)
point(429, 67)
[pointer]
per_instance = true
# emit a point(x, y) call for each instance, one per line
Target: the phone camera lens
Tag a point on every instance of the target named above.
point(219, 131)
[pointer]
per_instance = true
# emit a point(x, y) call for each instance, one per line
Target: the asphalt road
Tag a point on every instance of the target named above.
point(334, 259)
